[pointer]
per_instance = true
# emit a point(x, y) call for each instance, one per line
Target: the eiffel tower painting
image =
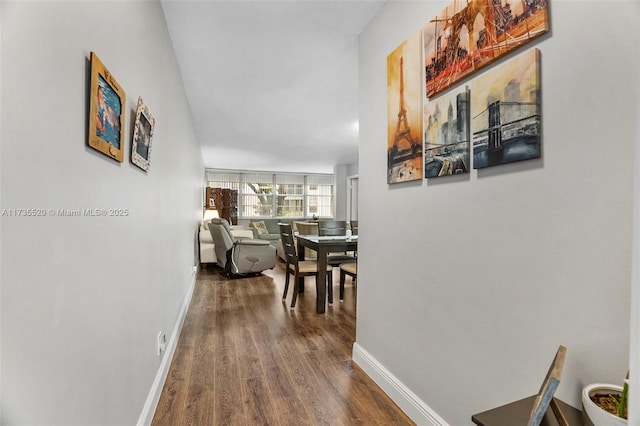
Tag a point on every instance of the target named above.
point(404, 112)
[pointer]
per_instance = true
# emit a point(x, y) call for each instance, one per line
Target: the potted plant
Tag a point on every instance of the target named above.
point(605, 404)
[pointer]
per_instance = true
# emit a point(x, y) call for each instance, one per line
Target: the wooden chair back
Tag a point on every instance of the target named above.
point(354, 227)
point(332, 227)
point(305, 228)
point(299, 269)
point(288, 243)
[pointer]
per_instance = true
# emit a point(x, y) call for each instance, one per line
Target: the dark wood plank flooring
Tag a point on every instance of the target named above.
point(245, 358)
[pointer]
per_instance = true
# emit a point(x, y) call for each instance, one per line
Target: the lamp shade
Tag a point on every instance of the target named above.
point(210, 214)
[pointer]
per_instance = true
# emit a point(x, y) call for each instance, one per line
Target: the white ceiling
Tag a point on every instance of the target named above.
point(272, 85)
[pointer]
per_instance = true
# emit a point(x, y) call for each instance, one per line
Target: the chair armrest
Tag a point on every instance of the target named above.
point(205, 236)
point(242, 233)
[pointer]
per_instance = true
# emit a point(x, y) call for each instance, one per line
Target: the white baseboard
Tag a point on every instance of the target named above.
point(409, 402)
point(158, 383)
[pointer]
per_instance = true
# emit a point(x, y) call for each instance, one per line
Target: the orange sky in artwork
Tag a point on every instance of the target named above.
point(523, 68)
point(410, 50)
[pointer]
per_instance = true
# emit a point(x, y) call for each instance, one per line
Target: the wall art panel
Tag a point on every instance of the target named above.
point(470, 34)
point(446, 134)
point(505, 110)
point(404, 111)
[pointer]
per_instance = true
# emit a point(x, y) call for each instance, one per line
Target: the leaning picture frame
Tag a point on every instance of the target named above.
point(544, 398)
point(142, 136)
point(107, 104)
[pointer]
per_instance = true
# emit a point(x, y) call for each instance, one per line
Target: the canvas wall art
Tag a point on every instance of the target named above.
point(470, 34)
point(107, 102)
point(446, 134)
point(404, 111)
point(505, 110)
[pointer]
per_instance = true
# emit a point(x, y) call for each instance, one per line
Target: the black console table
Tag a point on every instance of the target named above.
point(517, 414)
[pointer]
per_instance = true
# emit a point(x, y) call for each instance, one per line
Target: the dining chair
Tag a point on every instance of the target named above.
point(350, 269)
point(306, 228)
point(299, 268)
point(332, 227)
point(354, 227)
point(335, 228)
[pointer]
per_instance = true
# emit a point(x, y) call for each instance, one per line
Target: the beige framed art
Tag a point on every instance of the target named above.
point(142, 135)
point(107, 103)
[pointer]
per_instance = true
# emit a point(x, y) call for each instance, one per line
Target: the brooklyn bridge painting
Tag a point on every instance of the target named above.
point(469, 34)
point(404, 111)
point(505, 112)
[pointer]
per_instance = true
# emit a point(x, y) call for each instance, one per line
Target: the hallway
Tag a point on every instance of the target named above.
point(245, 358)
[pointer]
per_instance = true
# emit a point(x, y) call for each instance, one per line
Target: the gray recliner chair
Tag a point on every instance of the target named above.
point(240, 256)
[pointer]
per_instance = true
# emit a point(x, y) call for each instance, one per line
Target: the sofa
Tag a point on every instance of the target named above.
point(268, 229)
point(207, 248)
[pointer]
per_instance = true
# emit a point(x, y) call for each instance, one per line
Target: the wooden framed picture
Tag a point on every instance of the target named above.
point(142, 135)
point(106, 111)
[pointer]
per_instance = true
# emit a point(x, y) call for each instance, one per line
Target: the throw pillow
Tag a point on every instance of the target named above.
point(260, 227)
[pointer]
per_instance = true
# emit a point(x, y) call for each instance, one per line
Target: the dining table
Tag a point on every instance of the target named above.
point(323, 245)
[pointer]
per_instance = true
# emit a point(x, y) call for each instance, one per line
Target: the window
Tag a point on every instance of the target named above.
point(224, 180)
point(263, 194)
point(256, 195)
point(319, 196)
point(290, 193)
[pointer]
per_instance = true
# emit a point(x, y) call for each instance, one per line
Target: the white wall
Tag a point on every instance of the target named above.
point(634, 340)
point(468, 285)
point(340, 174)
point(340, 191)
point(352, 169)
point(83, 298)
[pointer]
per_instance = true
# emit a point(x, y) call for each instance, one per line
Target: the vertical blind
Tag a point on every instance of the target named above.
point(264, 194)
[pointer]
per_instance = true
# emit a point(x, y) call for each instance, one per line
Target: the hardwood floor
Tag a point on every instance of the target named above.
point(245, 358)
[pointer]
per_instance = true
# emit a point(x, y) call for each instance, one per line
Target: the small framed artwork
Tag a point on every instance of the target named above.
point(106, 111)
point(544, 399)
point(142, 135)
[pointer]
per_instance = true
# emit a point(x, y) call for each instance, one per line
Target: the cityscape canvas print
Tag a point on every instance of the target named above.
point(446, 134)
point(505, 109)
point(404, 111)
point(470, 34)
